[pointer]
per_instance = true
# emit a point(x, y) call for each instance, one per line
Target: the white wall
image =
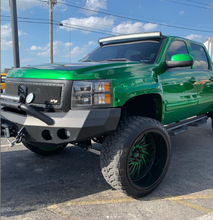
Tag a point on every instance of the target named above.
point(209, 46)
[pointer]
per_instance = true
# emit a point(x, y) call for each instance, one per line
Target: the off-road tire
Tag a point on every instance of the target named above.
point(45, 151)
point(118, 148)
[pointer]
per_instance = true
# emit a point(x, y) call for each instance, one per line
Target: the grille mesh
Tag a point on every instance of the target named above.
point(46, 94)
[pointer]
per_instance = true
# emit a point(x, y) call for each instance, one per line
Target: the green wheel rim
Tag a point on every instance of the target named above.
point(141, 157)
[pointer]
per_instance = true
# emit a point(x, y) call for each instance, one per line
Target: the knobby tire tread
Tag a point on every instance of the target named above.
point(113, 149)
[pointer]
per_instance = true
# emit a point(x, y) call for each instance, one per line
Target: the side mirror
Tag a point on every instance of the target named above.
point(180, 60)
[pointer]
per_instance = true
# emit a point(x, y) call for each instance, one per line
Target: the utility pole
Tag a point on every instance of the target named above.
point(51, 5)
point(14, 27)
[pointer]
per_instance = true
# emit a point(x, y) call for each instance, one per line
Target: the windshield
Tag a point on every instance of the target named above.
point(144, 51)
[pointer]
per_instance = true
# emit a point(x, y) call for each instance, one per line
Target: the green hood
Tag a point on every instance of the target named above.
point(77, 71)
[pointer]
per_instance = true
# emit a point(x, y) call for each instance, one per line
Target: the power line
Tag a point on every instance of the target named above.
point(35, 22)
point(77, 27)
point(70, 26)
point(173, 26)
point(133, 19)
point(83, 28)
point(158, 19)
point(123, 13)
point(124, 17)
point(201, 3)
point(195, 6)
point(26, 18)
point(45, 1)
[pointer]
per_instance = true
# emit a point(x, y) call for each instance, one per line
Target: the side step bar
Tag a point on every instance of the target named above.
point(182, 126)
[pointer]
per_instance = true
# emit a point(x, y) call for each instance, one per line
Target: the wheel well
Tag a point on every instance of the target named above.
point(149, 105)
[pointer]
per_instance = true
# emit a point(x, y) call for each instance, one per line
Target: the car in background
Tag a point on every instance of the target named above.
point(3, 76)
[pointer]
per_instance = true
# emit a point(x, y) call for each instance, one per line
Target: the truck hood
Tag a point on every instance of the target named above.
point(76, 71)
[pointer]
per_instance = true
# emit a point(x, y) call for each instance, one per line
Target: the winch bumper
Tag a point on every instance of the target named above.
point(60, 127)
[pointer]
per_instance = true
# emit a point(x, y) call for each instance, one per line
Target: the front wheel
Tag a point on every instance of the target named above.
point(45, 151)
point(136, 157)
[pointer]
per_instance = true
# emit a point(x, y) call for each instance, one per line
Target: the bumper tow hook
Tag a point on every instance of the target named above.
point(20, 134)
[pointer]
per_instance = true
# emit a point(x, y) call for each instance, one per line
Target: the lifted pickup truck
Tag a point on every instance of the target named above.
point(130, 94)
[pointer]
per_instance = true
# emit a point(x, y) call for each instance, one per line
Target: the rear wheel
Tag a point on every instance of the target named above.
point(45, 151)
point(136, 157)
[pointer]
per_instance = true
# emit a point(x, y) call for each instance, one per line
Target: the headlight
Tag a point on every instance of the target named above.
point(92, 94)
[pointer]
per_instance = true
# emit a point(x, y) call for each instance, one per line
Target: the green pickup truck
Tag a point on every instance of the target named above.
point(130, 94)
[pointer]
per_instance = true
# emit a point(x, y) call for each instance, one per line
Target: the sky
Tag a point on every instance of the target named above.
point(85, 21)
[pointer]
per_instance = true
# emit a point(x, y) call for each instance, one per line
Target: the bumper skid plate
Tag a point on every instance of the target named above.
point(71, 126)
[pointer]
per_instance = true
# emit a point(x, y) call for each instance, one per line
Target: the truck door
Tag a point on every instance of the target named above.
point(180, 94)
point(203, 71)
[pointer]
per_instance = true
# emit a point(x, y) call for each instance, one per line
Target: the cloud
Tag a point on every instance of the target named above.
point(21, 33)
point(91, 43)
point(94, 5)
point(80, 51)
point(194, 37)
point(77, 51)
point(149, 26)
point(210, 6)
point(57, 46)
point(181, 12)
point(68, 44)
point(5, 31)
point(23, 5)
point(6, 45)
point(27, 60)
point(59, 49)
point(90, 22)
point(45, 53)
point(129, 28)
point(37, 48)
point(6, 36)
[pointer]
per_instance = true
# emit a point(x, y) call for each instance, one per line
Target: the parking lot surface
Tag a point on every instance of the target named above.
point(70, 185)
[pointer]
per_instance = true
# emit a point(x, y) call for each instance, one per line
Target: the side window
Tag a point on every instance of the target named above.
point(176, 47)
point(201, 61)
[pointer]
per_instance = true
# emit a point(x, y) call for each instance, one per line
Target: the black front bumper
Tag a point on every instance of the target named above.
point(59, 127)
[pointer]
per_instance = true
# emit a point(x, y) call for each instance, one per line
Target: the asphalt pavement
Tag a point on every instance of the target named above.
point(70, 185)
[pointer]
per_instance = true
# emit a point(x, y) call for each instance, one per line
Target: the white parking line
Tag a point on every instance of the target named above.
point(7, 145)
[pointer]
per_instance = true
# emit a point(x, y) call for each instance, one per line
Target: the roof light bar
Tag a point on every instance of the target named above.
point(130, 36)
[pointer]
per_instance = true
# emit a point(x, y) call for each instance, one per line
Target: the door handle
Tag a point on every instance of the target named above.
point(192, 80)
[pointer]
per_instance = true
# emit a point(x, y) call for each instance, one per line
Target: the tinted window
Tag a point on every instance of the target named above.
point(145, 52)
point(201, 61)
point(176, 47)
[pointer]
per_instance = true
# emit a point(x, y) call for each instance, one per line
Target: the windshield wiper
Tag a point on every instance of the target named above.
point(88, 61)
point(117, 59)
